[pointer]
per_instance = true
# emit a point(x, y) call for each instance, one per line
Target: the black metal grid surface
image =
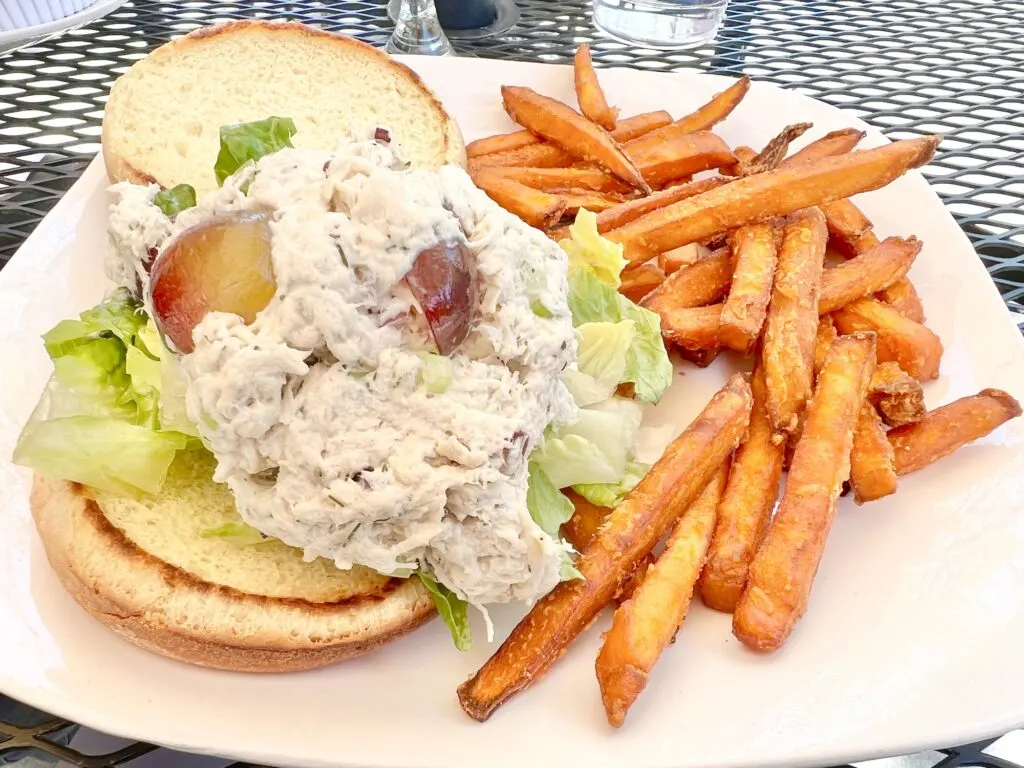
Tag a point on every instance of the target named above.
point(908, 67)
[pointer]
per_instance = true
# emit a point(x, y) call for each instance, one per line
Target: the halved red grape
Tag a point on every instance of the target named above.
point(443, 280)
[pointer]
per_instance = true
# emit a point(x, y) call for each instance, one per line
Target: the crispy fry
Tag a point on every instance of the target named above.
point(755, 254)
point(631, 532)
point(703, 282)
point(872, 474)
point(766, 195)
point(679, 258)
point(720, 107)
point(917, 350)
point(503, 142)
point(640, 281)
point(536, 208)
point(670, 153)
point(779, 582)
point(835, 143)
point(745, 509)
point(848, 227)
point(586, 520)
point(693, 329)
point(792, 321)
point(902, 297)
point(946, 429)
point(645, 625)
point(571, 131)
point(595, 202)
point(556, 180)
point(591, 98)
point(634, 209)
point(744, 156)
point(896, 394)
point(527, 149)
point(823, 339)
point(774, 152)
point(863, 275)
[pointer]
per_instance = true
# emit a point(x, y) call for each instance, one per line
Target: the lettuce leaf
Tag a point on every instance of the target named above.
point(602, 350)
point(99, 452)
point(594, 449)
point(612, 494)
point(586, 248)
point(248, 142)
point(99, 421)
point(176, 199)
point(646, 365)
point(548, 506)
point(236, 532)
point(453, 610)
point(585, 389)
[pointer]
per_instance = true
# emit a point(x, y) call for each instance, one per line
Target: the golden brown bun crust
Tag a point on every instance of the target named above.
point(146, 600)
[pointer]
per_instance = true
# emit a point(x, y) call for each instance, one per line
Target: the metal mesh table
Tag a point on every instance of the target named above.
point(907, 67)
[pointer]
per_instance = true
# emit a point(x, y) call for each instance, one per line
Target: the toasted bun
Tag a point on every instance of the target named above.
point(143, 568)
point(163, 117)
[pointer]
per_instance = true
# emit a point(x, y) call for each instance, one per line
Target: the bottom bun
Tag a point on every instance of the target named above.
point(144, 569)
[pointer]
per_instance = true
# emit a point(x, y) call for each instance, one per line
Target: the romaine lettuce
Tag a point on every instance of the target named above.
point(176, 199)
point(453, 610)
point(248, 142)
point(612, 494)
point(586, 248)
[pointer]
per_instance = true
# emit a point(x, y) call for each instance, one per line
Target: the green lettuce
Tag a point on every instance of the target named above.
point(646, 365)
point(99, 421)
point(586, 248)
point(602, 350)
point(176, 199)
point(454, 610)
point(548, 506)
point(236, 532)
point(585, 389)
point(612, 494)
point(248, 142)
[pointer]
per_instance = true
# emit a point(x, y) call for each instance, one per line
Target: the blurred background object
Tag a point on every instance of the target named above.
point(670, 24)
point(417, 30)
point(470, 19)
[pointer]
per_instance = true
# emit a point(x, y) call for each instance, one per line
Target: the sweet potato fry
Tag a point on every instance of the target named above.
point(528, 149)
point(503, 142)
point(640, 281)
point(872, 474)
point(946, 429)
point(755, 255)
point(631, 532)
point(595, 202)
point(571, 131)
point(767, 195)
point(591, 98)
point(745, 509)
point(536, 208)
point(896, 394)
point(680, 258)
point(634, 209)
point(792, 322)
point(863, 275)
point(823, 339)
point(720, 107)
point(645, 625)
point(670, 153)
point(774, 152)
point(902, 297)
point(583, 526)
point(917, 350)
point(703, 282)
point(694, 329)
point(848, 228)
point(835, 143)
point(744, 156)
point(779, 582)
point(556, 180)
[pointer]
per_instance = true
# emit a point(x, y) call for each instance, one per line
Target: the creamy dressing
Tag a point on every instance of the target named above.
point(317, 413)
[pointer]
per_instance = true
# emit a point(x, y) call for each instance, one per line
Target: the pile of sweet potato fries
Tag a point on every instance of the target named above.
point(769, 258)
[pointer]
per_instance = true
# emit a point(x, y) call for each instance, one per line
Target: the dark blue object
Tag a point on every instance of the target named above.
point(465, 14)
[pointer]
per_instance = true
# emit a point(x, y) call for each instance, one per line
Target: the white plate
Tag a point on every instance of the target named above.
point(914, 629)
point(16, 38)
